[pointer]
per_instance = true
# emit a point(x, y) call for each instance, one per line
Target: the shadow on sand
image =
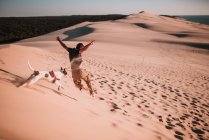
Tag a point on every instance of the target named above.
point(142, 25)
point(77, 32)
point(179, 35)
point(57, 92)
point(14, 79)
point(191, 44)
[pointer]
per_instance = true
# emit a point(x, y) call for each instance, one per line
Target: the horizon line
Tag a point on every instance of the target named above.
point(102, 15)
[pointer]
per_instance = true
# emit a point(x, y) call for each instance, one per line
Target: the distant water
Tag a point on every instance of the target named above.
point(199, 19)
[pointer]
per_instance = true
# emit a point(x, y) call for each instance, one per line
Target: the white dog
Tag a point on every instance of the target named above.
point(51, 76)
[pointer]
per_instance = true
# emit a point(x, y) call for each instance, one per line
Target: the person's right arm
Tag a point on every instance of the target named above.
point(62, 44)
point(87, 46)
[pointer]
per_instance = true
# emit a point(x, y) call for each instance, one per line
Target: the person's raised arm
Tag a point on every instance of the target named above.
point(87, 46)
point(62, 44)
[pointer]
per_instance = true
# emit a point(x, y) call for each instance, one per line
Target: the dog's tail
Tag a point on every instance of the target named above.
point(30, 66)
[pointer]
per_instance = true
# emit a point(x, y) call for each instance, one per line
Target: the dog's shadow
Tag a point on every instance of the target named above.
point(18, 81)
point(11, 78)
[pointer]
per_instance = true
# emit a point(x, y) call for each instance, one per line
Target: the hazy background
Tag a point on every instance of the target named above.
point(95, 7)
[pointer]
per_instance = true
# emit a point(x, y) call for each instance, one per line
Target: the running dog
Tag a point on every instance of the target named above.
point(51, 76)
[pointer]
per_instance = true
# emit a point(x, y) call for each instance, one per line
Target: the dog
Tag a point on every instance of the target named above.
point(51, 76)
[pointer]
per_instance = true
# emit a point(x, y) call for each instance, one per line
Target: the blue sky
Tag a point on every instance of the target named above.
point(95, 7)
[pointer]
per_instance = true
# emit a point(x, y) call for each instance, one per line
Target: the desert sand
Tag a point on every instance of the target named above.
point(150, 76)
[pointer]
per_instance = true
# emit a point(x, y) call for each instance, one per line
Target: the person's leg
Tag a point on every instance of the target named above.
point(77, 78)
point(88, 83)
point(79, 75)
point(85, 77)
point(78, 83)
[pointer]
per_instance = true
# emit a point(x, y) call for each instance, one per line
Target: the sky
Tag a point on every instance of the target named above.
point(24, 8)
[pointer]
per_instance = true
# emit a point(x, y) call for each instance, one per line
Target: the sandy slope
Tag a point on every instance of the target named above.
point(151, 81)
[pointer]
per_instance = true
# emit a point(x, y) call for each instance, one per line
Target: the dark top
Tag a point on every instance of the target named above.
point(75, 58)
point(73, 53)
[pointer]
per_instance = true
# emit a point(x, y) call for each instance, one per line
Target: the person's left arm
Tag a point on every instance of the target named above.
point(87, 46)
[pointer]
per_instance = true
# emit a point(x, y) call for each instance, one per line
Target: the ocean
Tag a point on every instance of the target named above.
point(200, 19)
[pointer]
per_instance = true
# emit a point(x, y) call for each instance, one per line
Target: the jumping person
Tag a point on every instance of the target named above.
point(75, 57)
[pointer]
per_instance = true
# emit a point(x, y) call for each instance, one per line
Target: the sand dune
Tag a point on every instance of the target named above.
point(150, 76)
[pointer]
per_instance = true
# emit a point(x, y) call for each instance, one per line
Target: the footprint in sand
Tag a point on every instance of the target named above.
point(114, 107)
point(140, 125)
point(100, 98)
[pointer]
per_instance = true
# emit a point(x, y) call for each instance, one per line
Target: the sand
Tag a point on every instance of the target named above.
point(150, 76)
